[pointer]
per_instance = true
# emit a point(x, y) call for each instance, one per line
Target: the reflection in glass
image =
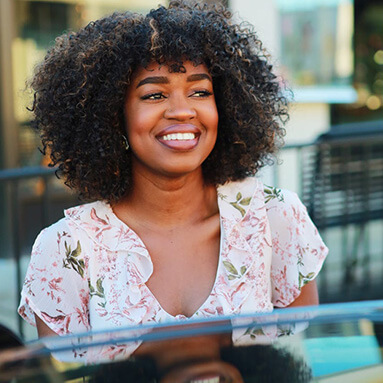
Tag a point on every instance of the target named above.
point(340, 342)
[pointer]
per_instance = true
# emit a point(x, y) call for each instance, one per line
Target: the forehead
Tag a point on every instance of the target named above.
point(154, 69)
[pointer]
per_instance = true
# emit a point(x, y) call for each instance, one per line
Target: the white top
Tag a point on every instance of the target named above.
point(89, 270)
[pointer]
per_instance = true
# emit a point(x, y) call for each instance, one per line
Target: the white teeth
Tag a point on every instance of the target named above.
point(210, 380)
point(179, 137)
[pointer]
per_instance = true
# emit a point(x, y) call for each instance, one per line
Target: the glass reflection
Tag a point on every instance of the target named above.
point(341, 342)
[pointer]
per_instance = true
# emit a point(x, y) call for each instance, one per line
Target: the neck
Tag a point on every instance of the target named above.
point(168, 202)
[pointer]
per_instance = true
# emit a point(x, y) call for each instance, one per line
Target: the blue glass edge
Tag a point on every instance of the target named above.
point(327, 313)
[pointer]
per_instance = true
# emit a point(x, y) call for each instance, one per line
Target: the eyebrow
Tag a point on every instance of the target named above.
point(198, 77)
point(165, 80)
point(153, 80)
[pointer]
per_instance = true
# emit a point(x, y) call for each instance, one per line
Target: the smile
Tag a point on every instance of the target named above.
point(178, 137)
point(208, 380)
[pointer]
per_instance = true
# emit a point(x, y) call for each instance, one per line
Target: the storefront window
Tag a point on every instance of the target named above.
point(316, 49)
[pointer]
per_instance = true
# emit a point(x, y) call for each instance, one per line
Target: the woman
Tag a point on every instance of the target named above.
point(163, 120)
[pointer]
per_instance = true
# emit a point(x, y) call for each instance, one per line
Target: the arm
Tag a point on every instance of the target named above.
point(308, 296)
point(42, 329)
point(54, 297)
point(296, 239)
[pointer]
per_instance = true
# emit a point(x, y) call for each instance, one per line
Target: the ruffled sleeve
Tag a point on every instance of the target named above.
point(56, 287)
point(298, 250)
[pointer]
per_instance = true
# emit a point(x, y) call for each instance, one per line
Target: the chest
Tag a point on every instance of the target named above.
point(185, 263)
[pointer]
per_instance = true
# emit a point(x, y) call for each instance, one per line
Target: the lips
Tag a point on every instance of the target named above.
point(180, 137)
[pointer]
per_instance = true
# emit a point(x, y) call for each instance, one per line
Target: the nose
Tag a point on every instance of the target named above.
point(180, 108)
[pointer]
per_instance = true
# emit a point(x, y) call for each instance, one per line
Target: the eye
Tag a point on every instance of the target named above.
point(202, 93)
point(153, 96)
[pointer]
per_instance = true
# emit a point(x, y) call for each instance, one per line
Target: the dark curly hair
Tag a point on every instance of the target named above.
point(80, 89)
point(256, 363)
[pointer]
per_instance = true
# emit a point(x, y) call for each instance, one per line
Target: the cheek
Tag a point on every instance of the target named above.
point(212, 118)
point(214, 112)
point(208, 115)
point(216, 119)
point(137, 121)
point(213, 123)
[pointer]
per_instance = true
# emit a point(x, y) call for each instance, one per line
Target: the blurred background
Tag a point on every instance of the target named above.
point(329, 52)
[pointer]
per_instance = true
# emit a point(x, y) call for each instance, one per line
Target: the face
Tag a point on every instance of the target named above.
point(213, 371)
point(171, 119)
point(191, 359)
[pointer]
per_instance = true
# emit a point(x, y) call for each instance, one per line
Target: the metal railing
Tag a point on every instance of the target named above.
point(20, 188)
point(340, 180)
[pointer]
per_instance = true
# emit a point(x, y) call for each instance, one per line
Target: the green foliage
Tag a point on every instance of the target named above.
point(304, 279)
point(239, 202)
point(72, 259)
point(233, 272)
point(271, 193)
point(98, 291)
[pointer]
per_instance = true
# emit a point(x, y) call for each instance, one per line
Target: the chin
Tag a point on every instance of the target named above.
point(181, 173)
point(182, 170)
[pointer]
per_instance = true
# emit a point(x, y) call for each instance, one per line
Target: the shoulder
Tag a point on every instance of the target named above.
point(280, 201)
point(251, 194)
point(252, 188)
point(282, 208)
point(247, 185)
point(275, 196)
point(290, 224)
point(285, 211)
point(68, 230)
point(52, 235)
point(87, 213)
point(237, 198)
point(242, 192)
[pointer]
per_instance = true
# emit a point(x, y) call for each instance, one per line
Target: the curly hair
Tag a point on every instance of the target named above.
point(256, 363)
point(80, 88)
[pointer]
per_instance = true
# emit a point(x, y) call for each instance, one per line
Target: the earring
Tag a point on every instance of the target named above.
point(125, 142)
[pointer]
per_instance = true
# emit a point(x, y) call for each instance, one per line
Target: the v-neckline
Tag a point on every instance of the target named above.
point(142, 245)
point(218, 271)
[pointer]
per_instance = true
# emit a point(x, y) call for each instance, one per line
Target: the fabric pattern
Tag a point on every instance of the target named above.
point(89, 270)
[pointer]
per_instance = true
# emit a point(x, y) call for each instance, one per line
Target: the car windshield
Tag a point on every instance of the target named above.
point(330, 343)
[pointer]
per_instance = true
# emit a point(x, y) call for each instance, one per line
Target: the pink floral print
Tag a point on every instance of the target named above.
point(89, 270)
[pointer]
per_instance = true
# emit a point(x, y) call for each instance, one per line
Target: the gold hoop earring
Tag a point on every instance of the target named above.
point(125, 142)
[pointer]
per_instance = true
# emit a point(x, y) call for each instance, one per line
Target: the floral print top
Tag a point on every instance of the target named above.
point(89, 270)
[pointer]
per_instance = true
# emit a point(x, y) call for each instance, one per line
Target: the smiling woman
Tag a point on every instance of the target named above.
point(163, 121)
